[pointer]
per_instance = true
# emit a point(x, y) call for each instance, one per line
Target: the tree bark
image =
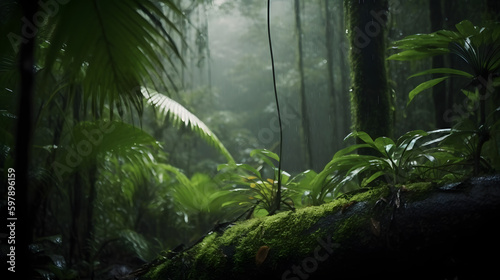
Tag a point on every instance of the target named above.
point(306, 132)
point(334, 96)
point(370, 98)
point(437, 233)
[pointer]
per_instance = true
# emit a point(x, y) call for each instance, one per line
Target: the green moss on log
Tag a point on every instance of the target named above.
point(289, 236)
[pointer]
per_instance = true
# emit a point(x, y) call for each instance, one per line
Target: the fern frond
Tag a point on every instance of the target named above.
point(180, 116)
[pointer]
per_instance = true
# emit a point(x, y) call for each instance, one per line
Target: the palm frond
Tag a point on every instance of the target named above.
point(90, 141)
point(111, 47)
point(180, 116)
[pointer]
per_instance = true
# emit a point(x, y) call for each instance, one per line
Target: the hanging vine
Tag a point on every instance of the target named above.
point(278, 192)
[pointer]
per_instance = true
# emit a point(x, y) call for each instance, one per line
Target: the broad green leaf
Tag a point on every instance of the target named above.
point(285, 176)
point(429, 157)
point(495, 32)
point(384, 145)
point(423, 86)
point(441, 130)
point(418, 54)
point(410, 135)
point(446, 131)
point(466, 28)
point(472, 96)
point(265, 155)
point(450, 35)
point(361, 135)
point(302, 181)
point(349, 149)
point(225, 165)
point(373, 177)
point(424, 42)
point(353, 173)
point(443, 71)
point(250, 168)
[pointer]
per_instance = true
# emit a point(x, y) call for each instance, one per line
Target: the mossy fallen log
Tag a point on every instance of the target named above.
point(418, 231)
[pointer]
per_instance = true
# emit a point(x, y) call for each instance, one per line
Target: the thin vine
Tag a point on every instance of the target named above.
point(278, 192)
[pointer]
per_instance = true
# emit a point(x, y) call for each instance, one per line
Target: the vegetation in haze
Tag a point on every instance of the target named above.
point(154, 120)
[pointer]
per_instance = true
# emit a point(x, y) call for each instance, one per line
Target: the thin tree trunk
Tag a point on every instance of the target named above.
point(306, 134)
point(334, 96)
point(344, 82)
point(42, 194)
point(370, 99)
point(89, 231)
point(207, 46)
point(76, 197)
point(75, 194)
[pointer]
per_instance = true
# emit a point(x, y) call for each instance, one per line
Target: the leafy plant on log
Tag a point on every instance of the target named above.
point(255, 187)
point(478, 47)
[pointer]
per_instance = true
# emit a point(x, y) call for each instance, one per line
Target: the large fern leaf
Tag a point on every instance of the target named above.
point(180, 116)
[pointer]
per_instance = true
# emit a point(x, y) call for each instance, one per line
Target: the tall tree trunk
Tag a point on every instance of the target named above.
point(207, 48)
point(335, 99)
point(306, 132)
point(439, 93)
point(89, 230)
point(370, 99)
point(76, 198)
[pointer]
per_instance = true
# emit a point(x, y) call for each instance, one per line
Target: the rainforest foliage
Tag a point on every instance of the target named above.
point(152, 121)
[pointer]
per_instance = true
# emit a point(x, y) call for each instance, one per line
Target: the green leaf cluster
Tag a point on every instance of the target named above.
point(477, 46)
point(198, 194)
point(254, 187)
point(442, 155)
